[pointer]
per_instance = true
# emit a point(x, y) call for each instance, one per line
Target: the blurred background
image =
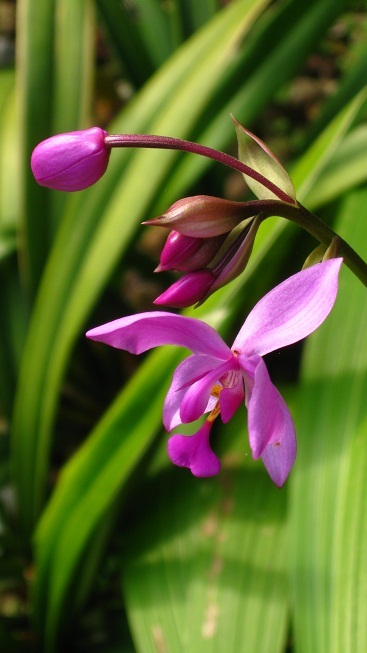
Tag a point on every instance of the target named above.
point(104, 547)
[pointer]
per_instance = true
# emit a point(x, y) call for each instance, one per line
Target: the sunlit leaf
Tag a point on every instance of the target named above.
point(345, 169)
point(196, 570)
point(322, 150)
point(9, 164)
point(329, 481)
point(53, 85)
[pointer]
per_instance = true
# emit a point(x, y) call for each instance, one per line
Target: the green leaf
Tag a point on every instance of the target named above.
point(72, 78)
point(34, 80)
point(351, 83)
point(322, 150)
point(344, 170)
point(9, 164)
point(187, 16)
point(89, 485)
point(328, 485)
point(54, 78)
point(13, 324)
point(205, 570)
point(140, 35)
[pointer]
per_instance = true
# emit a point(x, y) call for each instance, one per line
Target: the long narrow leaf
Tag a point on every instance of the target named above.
point(206, 568)
point(343, 171)
point(329, 488)
point(34, 75)
point(189, 16)
point(327, 143)
point(126, 41)
point(54, 80)
point(9, 165)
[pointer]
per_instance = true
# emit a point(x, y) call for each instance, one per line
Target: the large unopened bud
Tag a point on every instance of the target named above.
point(204, 216)
point(71, 161)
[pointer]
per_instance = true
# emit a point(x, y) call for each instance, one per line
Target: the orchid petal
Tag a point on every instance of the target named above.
point(138, 333)
point(194, 452)
point(269, 420)
point(188, 371)
point(291, 311)
point(279, 456)
point(197, 396)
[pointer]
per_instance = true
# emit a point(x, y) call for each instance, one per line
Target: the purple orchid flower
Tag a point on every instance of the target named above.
point(216, 379)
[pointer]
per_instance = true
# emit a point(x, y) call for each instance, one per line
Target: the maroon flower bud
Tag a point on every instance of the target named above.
point(71, 161)
point(203, 216)
point(188, 290)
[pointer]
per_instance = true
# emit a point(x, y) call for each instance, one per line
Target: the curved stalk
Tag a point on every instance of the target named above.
point(169, 143)
point(325, 235)
point(286, 207)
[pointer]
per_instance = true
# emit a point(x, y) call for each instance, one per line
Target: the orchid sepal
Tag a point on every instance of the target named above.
point(253, 152)
point(292, 310)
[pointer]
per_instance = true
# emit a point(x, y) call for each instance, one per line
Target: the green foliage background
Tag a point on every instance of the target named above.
point(103, 546)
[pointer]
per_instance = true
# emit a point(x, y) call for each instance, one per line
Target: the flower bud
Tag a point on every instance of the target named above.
point(188, 290)
point(185, 253)
point(71, 161)
point(324, 253)
point(235, 258)
point(177, 250)
point(203, 216)
point(315, 256)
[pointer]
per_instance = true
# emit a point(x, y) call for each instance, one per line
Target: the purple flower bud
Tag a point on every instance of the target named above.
point(188, 290)
point(186, 254)
point(177, 250)
point(71, 161)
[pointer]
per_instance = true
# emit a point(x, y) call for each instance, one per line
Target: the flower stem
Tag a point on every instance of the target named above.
point(286, 208)
point(325, 235)
point(169, 143)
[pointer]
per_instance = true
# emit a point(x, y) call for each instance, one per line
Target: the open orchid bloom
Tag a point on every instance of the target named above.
point(215, 379)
